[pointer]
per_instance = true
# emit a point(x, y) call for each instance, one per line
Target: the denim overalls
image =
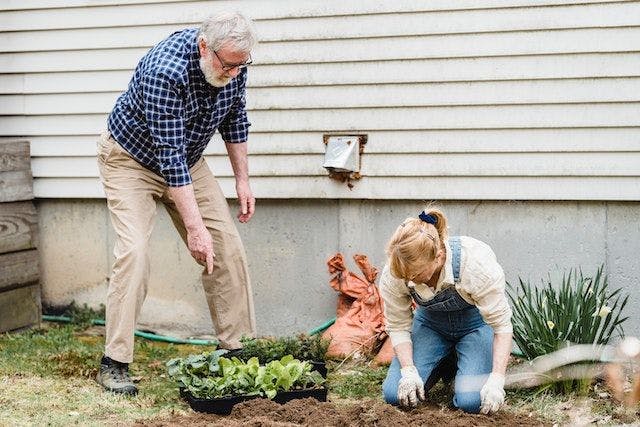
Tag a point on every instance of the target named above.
point(441, 324)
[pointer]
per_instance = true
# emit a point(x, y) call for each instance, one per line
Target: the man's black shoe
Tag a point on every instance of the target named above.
point(114, 376)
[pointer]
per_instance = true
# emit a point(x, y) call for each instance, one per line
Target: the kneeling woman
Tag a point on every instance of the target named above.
point(459, 289)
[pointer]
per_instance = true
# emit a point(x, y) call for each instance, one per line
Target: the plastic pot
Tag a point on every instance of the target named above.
point(224, 405)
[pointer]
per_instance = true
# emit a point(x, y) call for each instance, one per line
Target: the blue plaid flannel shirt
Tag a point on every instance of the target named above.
point(169, 112)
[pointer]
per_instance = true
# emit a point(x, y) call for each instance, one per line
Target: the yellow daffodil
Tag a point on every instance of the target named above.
point(550, 324)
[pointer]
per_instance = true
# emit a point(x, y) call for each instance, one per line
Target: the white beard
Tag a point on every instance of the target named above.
point(210, 74)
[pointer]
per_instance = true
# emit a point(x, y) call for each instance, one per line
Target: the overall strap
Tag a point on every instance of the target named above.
point(456, 255)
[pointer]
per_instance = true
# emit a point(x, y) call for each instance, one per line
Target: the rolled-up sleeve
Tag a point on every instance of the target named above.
point(164, 112)
point(235, 126)
point(490, 297)
point(397, 307)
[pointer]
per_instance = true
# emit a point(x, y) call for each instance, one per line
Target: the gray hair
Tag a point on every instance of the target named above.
point(228, 27)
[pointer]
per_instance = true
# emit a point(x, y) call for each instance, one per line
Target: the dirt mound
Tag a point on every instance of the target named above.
point(310, 412)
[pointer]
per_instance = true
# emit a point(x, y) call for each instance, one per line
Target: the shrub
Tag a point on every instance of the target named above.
point(301, 347)
point(580, 310)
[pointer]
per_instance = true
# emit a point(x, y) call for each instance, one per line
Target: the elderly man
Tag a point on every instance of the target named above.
point(182, 90)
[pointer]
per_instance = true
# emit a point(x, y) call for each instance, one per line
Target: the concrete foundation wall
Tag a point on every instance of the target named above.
point(289, 241)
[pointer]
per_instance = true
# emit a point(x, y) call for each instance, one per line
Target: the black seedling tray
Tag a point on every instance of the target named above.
point(224, 405)
point(321, 367)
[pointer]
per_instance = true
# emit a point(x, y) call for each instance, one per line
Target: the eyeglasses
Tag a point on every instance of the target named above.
point(229, 67)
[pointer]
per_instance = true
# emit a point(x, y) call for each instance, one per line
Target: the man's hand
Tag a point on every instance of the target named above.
point(411, 387)
point(246, 200)
point(200, 244)
point(199, 240)
point(492, 394)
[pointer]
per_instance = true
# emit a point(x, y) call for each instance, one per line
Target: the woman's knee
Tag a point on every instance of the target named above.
point(390, 395)
point(390, 390)
point(468, 402)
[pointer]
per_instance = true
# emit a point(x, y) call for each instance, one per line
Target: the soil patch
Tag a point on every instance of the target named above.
point(310, 412)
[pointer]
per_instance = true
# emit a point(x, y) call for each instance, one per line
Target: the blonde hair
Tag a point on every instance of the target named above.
point(415, 243)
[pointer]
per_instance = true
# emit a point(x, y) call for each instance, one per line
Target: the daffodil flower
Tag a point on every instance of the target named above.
point(550, 324)
point(603, 312)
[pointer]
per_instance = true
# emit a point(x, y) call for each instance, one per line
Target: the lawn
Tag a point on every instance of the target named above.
point(47, 378)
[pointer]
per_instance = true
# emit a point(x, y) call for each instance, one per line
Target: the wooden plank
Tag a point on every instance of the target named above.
point(607, 140)
point(15, 186)
point(343, 27)
point(18, 227)
point(104, 60)
point(599, 40)
point(18, 269)
point(357, 96)
point(64, 82)
point(123, 15)
point(87, 38)
point(365, 120)
point(20, 308)
point(14, 156)
point(83, 188)
point(392, 165)
point(435, 94)
point(472, 117)
point(449, 22)
point(503, 164)
point(578, 66)
point(57, 4)
point(384, 188)
point(451, 46)
point(449, 70)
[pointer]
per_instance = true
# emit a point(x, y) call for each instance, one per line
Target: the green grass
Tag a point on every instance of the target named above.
point(357, 382)
point(546, 404)
point(47, 378)
point(45, 374)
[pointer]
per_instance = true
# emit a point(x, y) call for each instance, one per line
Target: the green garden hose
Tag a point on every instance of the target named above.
point(163, 338)
point(147, 335)
point(322, 327)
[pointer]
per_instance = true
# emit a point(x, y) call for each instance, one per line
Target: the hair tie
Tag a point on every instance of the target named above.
point(428, 218)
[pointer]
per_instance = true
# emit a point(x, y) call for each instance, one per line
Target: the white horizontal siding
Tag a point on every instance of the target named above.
point(368, 119)
point(598, 40)
point(407, 188)
point(551, 67)
point(384, 165)
point(21, 5)
point(363, 96)
point(343, 27)
point(54, 14)
point(590, 140)
point(488, 99)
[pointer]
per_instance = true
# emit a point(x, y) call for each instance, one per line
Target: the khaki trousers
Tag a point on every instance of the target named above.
point(132, 192)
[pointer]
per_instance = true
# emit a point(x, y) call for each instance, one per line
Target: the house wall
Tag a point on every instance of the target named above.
point(289, 241)
point(528, 110)
point(481, 100)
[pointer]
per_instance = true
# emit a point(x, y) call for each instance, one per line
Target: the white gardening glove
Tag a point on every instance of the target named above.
point(492, 394)
point(411, 387)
